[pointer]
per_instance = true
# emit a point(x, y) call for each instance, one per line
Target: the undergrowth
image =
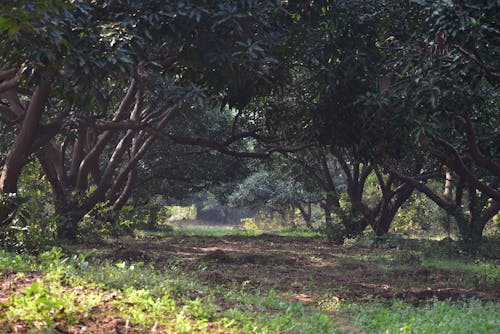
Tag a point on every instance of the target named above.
point(70, 288)
point(65, 289)
point(436, 317)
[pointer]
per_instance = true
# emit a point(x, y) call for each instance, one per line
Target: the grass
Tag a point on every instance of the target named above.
point(247, 287)
point(144, 296)
point(220, 231)
point(436, 317)
point(209, 231)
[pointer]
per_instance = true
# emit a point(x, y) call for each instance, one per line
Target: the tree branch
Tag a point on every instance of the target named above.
point(18, 154)
point(458, 166)
point(492, 76)
point(478, 157)
point(106, 137)
point(424, 189)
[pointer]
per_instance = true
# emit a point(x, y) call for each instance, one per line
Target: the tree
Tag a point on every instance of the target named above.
point(393, 194)
point(323, 173)
point(272, 188)
point(36, 44)
point(154, 62)
point(447, 89)
point(176, 172)
point(390, 87)
point(339, 68)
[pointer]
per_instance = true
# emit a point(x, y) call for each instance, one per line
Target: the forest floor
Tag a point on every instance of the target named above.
point(226, 281)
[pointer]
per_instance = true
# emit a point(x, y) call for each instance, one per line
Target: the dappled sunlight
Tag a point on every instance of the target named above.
point(304, 265)
point(218, 283)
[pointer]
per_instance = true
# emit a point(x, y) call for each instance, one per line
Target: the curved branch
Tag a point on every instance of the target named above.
point(492, 76)
point(424, 189)
point(478, 157)
point(106, 137)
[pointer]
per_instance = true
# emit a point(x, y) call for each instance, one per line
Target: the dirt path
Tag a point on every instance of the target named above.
point(304, 266)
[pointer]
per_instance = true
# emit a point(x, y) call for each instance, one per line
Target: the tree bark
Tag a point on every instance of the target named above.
point(18, 155)
point(306, 213)
point(68, 219)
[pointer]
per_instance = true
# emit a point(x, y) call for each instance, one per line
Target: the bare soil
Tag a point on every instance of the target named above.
point(303, 269)
point(303, 266)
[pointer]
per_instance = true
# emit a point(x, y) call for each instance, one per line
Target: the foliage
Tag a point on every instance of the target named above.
point(34, 224)
point(287, 316)
point(436, 317)
point(102, 222)
point(72, 288)
point(145, 297)
point(179, 171)
point(420, 215)
point(43, 305)
point(273, 189)
point(391, 83)
point(176, 58)
point(15, 262)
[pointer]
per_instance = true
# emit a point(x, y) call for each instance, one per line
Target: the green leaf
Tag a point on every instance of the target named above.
point(13, 31)
point(4, 23)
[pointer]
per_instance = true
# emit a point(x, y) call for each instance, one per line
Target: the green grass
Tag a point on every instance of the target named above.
point(209, 231)
point(221, 231)
point(298, 233)
point(481, 274)
point(145, 296)
point(197, 231)
point(45, 303)
point(71, 288)
point(436, 317)
point(16, 262)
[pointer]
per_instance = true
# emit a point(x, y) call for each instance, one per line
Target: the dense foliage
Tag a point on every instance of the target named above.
point(368, 104)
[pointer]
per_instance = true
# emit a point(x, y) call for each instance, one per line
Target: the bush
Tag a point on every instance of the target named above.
point(34, 223)
point(103, 222)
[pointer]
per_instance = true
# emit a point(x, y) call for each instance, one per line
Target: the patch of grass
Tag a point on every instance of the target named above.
point(167, 294)
point(215, 231)
point(481, 274)
point(298, 233)
point(43, 304)
point(269, 313)
point(148, 297)
point(436, 317)
point(16, 262)
point(142, 307)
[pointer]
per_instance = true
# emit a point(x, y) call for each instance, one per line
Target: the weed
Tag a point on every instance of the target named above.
point(142, 308)
point(43, 304)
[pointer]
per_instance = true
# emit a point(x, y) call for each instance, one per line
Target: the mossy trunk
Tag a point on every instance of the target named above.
point(470, 229)
point(68, 219)
point(152, 222)
point(354, 227)
point(6, 214)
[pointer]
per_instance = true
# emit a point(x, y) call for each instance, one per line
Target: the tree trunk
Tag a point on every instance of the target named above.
point(306, 214)
point(382, 224)
point(330, 202)
point(328, 216)
point(67, 222)
point(389, 208)
point(477, 222)
point(19, 153)
point(152, 222)
point(354, 227)
point(6, 211)
point(461, 221)
point(332, 233)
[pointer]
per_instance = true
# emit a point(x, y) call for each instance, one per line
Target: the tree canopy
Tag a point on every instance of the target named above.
point(109, 95)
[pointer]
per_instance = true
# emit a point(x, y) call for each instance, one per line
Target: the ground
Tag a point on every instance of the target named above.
point(244, 282)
